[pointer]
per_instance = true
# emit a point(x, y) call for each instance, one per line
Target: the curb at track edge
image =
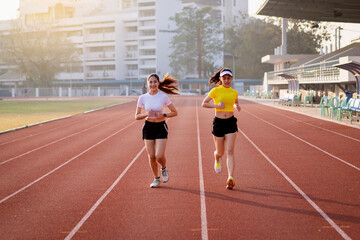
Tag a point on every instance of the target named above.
point(55, 119)
point(306, 114)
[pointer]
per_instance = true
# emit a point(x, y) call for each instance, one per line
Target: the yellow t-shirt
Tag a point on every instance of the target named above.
point(225, 95)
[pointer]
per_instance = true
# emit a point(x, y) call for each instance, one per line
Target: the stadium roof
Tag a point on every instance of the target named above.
point(315, 10)
point(350, 50)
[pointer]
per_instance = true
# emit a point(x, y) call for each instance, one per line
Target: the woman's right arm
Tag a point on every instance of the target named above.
point(207, 103)
point(139, 115)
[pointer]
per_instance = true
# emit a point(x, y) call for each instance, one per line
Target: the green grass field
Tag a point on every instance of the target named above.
point(19, 113)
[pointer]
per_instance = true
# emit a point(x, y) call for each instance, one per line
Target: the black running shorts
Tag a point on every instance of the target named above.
point(155, 130)
point(224, 126)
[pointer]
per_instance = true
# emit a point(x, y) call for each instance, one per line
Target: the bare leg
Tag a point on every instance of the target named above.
point(219, 146)
point(150, 148)
point(230, 145)
point(160, 146)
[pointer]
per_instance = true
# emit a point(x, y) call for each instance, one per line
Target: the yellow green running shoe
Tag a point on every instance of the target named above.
point(230, 183)
point(217, 166)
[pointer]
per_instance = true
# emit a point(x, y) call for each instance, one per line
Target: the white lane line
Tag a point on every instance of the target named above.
point(29, 136)
point(51, 120)
point(306, 197)
point(337, 158)
point(34, 124)
point(42, 132)
point(204, 230)
point(46, 145)
point(328, 130)
point(44, 176)
point(93, 208)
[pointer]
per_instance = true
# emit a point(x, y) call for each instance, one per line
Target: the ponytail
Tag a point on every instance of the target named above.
point(215, 78)
point(166, 85)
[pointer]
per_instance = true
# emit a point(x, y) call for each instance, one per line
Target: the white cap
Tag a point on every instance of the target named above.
point(226, 72)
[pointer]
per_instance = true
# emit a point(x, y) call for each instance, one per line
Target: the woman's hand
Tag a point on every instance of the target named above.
point(221, 105)
point(158, 115)
point(139, 115)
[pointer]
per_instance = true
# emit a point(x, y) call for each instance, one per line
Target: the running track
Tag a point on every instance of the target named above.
point(87, 177)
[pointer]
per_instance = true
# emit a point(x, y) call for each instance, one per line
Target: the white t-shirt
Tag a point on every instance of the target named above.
point(154, 102)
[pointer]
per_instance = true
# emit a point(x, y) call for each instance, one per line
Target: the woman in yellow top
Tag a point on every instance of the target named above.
point(224, 129)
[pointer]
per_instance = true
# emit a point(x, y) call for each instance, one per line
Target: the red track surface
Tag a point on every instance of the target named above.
point(87, 177)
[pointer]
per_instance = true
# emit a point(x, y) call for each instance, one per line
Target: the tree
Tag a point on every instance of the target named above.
point(198, 42)
point(37, 53)
point(258, 38)
point(249, 43)
point(306, 37)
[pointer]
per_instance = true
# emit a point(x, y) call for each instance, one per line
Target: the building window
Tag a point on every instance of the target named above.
point(59, 11)
point(132, 67)
point(147, 13)
point(101, 30)
point(234, 3)
point(102, 67)
point(149, 52)
point(128, 3)
point(216, 14)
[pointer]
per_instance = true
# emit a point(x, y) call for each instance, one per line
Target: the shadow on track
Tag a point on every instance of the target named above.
point(215, 195)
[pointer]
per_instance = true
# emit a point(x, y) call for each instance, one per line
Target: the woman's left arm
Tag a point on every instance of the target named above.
point(173, 112)
point(237, 105)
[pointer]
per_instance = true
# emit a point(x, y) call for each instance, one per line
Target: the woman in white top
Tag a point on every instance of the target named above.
point(155, 129)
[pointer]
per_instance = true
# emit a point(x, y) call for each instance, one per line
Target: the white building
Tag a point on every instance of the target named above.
point(116, 39)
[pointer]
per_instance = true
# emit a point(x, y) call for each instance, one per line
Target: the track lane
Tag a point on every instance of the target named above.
point(316, 122)
point(334, 128)
point(20, 144)
point(44, 128)
point(133, 210)
point(16, 174)
point(49, 207)
point(330, 182)
point(126, 146)
point(327, 141)
point(262, 205)
point(249, 210)
point(301, 192)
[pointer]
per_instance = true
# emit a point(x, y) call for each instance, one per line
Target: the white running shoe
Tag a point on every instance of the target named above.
point(155, 183)
point(165, 175)
point(217, 166)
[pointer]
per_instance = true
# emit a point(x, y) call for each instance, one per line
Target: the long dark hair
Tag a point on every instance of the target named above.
point(215, 78)
point(166, 85)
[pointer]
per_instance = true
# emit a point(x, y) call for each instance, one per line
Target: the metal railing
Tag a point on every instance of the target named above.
point(323, 72)
point(123, 90)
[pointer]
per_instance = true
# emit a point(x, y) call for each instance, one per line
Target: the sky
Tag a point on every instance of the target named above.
point(8, 10)
point(253, 5)
point(350, 30)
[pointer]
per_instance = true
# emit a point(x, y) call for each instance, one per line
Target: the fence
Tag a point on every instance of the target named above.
point(70, 92)
point(323, 72)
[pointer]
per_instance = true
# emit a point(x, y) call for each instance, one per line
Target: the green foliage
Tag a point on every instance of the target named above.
point(258, 38)
point(197, 44)
point(249, 43)
point(37, 53)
